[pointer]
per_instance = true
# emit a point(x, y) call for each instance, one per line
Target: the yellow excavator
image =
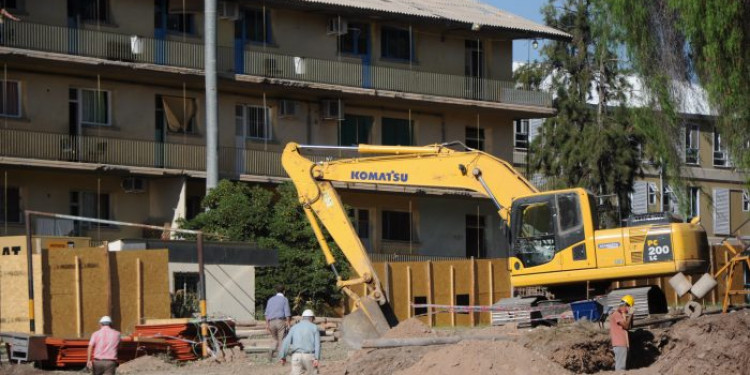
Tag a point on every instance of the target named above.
point(553, 237)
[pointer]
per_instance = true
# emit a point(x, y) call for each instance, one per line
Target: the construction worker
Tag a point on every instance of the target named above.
point(303, 343)
point(278, 316)
point(103, 345)
point(619, 323)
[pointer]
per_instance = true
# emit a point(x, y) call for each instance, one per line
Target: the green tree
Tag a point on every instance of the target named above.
point(673, 43)
point(274, 220)
point(592, 142)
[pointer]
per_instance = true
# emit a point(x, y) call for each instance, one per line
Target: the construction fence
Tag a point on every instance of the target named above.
point(483, 282)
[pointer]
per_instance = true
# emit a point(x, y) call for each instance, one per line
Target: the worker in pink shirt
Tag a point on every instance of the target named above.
point(103, 345)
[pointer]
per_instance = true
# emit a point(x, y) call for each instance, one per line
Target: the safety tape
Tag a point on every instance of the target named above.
point(495, 308)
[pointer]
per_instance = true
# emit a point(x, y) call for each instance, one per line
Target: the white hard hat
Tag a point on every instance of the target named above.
point(308, 314)
point(105, 320)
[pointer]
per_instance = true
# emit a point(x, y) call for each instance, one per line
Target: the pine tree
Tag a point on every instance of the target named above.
point(591, 142)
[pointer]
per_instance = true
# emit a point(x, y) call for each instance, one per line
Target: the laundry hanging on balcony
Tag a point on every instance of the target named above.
point(179, 112)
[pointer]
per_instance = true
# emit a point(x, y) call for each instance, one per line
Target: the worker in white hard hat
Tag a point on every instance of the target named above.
point(619, 323)
point(303, 343)
point(101, 357)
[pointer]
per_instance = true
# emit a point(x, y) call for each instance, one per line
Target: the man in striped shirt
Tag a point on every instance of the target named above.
point(103, 345)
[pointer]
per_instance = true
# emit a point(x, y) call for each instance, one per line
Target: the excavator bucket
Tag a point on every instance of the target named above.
point(366, 322)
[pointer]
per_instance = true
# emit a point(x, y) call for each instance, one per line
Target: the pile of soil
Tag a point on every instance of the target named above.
point(384, 361)
point(144, 364)
point(483, 358)
point(409, 328)
point(711, 344)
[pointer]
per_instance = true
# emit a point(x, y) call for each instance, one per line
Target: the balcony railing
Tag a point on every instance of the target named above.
point(136, 153)
point(120, 47)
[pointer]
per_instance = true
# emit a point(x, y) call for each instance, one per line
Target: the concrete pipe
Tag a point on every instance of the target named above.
point(680, 284)
point(703, 286)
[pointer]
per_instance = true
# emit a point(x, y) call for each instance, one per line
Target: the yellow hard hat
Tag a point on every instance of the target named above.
point(628, 299)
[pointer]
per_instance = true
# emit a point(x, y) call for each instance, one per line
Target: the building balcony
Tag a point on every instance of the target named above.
point(141, 156)
point(279, 68)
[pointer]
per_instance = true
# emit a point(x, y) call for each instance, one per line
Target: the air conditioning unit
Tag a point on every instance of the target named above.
point(337, 26)
point(287, 108)
point(133, 185)
point(332, 109)
point(227, 10)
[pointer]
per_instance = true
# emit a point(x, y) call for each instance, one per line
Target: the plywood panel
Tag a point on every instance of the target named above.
point(14, 290)
point(154, 286)
point(62, 308)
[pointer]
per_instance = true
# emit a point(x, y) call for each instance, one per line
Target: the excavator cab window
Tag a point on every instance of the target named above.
point(544, 225)
point(534, 242)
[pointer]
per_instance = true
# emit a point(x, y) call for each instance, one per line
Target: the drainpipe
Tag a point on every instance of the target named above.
point(212, 118)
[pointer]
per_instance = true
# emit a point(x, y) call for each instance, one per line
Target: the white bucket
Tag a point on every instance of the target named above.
point(703, 286)
point(680, 284)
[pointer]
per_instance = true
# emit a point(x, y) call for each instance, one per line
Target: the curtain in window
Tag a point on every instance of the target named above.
point(179, 112)
point(94, 107)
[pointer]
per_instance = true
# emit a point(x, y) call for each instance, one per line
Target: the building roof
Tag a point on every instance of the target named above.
point(468, 11)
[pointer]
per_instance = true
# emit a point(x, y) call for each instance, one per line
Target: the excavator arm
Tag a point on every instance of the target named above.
point(436, 166)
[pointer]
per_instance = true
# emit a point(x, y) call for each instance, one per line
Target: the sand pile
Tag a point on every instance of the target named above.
point(712, 344)
point(483, 358)
point(408, 329)
point(144, 364)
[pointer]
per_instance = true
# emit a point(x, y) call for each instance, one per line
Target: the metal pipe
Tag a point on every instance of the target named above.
point(103, 221)
point(202, 297)
point(212, 117)
point(30, 270)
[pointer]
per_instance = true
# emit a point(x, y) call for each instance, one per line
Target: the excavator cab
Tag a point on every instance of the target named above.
point(543, 225)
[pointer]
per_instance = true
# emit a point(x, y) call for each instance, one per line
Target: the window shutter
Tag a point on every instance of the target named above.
point(639, 203)
point(721, 211)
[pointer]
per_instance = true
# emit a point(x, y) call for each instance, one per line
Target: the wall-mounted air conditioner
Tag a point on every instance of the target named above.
point(331, 109)
point(228, 10)
point(287, 108)
point(337, 26)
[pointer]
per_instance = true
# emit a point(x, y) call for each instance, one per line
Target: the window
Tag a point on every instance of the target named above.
point(256, 26)
point(692, 144)
point(356, 40)
point(10, 4)
point(10, 99)
point(476, 245)
point(721, 159)
point(475, 138)
point(396, 44)
point(397, 226)
point(89, 10)
point(355, 130)
point(746, 200)
point(186, 281)
point(397, 132)
point(694, 197)
point(176, 21)
point(254, 120)
point(88, 204)
point(521, 134)
point(534, 242)
point(669, 200)
point(360, 218)
point(10, 204)
point(90, 106)
point(176, 114)
point(651, 194)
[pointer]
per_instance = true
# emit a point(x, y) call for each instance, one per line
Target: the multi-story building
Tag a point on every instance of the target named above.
point(103, 111)
point(716, 191)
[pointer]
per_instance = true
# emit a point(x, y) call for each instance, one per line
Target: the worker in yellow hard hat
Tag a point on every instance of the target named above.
point(619, 323)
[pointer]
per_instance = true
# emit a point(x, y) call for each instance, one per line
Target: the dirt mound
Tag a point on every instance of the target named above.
point(19, 369)
point(409, 328)
point(483, 358)
point(145, 364)
point(712, 344)
point(385, 361)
